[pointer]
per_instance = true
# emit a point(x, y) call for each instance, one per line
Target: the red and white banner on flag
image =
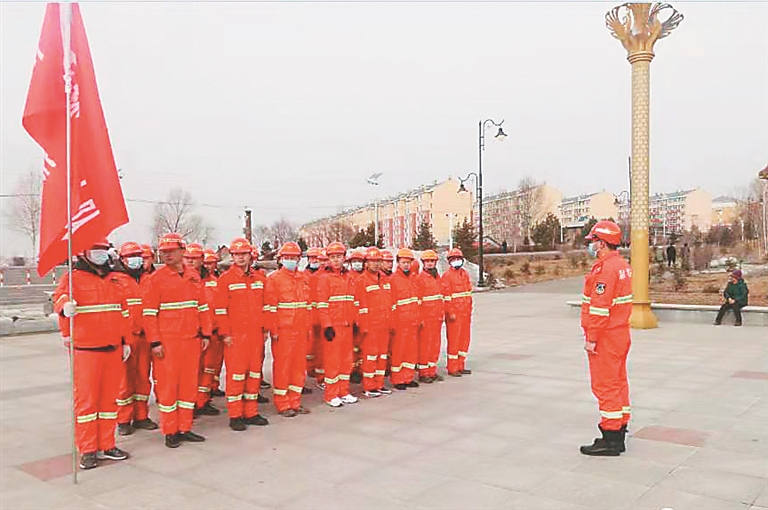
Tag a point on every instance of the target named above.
point(98, 206)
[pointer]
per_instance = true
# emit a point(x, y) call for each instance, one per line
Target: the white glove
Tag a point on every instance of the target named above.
point(69, 308)
point(65, 341)
point(126, 352)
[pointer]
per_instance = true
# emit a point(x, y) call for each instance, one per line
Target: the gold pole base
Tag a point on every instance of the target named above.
point(642, 317)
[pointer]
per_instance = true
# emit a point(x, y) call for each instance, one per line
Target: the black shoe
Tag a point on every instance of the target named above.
point(124, 429)
point(288, 413)
point(262, 399)
point(400, 386)
point(466, 371)
point(301, 410)
point(145, 424)
point(306, 391)
point(356, 378)
point(454, 374)
point(113, 454)
point(439, 378)
point(237, 424)
point(717, 322)
point(89, 461)
point(172, 441)
point(413, 384)
point(265, 385)
point(623, 446)
point(191, 437)
point(209, 410)
point(257, 420)
point(737, 323)
point(426, 380)
point(607, 446)
point(216, 392)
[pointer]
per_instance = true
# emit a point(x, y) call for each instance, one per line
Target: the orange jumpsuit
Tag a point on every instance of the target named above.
point(315, 344)
point(606, 305)
point(374, 320)
point(457, 296)
point(432, 313)
point(131, 404)
point(406, 318)
point(176, 315)
point(357, 336)
point(239, 308)
point(336, 308)
point(211, 358)
point(100, 324)
point(287, 295)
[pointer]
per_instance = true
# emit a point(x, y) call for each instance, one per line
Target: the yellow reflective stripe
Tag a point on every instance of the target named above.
point(453, 356)
point(421, 367)
point(257, 285)
point(178, 305)
point(363, 311)
point(251, 396)
point(334, 299)
point(254, 375)
point(369, 375)
point(292, 305)
point(409, 365)
point(457, 295)
point(611, 415)
point(166, 409)
point(108, 416)
point(234, 398)
point(343, 377)
point(203, 389)
point(387, 286)
point(280, 393)
point(150, 312)
point(185, 405)
point(371, 288)
point(265, 308)
point(237, 286)
point(98, 308)
point(140, 398)
point(133, 301)
point(321, 304)
point(221, 311)
point(273, 309)
point(209, 371)
point(602, 312)
point(381, 372)
point(447, 298)
point(384, 356)
point(85, 418)
point(333, 380)
point(434, 297)
point(124, 401)
point(462, 354)
point(212, 283)
point(371, 357)
point(203, 308)
point(125, 313)
point(296, 389)
point(626, 410)
point(396, 369)
point(586, 299)
point(238, 377)
point(621, 300)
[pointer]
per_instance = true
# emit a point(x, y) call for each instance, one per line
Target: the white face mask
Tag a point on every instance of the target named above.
point(314, 265)
point(134, 262)
point(290, 265)
point(357, 266)
point(457, 263)
point(97, 257)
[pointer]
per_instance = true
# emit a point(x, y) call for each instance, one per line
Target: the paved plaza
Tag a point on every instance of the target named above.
point(505, 437)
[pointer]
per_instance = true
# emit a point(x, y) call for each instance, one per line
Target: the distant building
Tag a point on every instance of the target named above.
point(438, 203)
point(506, 215)
point(575, 212)
point(724, 211)
point(677, 212)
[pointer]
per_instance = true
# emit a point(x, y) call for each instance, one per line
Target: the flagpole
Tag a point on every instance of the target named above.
point(65, 15)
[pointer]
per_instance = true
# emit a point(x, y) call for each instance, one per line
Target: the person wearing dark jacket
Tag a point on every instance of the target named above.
point(736, 296)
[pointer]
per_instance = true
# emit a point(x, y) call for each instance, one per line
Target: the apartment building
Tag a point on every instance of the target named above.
point(679, 211)
point(575, 212)
point(724, 211)
point(507, 215)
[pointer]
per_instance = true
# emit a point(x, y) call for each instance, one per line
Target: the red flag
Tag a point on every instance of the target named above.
point(98, 206)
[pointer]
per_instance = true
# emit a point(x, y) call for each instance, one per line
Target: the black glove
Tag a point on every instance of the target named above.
point(355, 329)
point(329, 333)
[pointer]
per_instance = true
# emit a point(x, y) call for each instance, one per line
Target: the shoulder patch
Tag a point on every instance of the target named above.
point(600, 288)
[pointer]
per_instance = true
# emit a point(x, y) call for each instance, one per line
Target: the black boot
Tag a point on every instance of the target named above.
point(216, 392)
point(356, 378)
point(190, 437)
point(208, 410)
point(306, 391)
point(261, 399)
point(145, 424)
point(237, 424)
point(623, 431)
point(607, 446)
point(413, 384)
point(125, 429)
point(172, 440)
point(257, 420)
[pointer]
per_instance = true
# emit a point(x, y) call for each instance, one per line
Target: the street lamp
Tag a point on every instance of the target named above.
point(374, 181)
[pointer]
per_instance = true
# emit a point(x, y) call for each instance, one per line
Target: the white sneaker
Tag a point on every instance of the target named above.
point(372, 394)
point(335, 402)
point(385, 391)
point(321, 386)
point(349, 399)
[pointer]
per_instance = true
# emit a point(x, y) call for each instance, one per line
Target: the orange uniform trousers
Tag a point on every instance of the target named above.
point(133, 398)
point(429, 347)
point(289, 367)
point(458, 334)
point(315, 356)
point(337, 362)
point(177, 374)
point(97, 382)
point(244, 359)
point(405, 351)
point(608, 373)
point(375, 358)
point(210, 368)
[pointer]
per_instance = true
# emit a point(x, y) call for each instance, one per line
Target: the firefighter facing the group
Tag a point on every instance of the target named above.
point(406, 319)
point(457, 296)
point(374, 314)
point(133, 400)
point(239, 308)
point(177, 323)
point(287, 296)
point(605, 310)
point(100, 327)
point(432, 313)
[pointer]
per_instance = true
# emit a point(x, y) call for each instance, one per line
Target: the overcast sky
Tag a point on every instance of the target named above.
point(288, 107)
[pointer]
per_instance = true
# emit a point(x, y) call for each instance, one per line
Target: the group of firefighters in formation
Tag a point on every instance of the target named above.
point(344, 317)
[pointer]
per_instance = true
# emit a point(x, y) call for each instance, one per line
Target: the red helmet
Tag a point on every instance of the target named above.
point(172, 241)
point(289, 249)
point(240, 245)
point(404, 253)
point(146, 251)
point(455, 254)
point(429, 255)
point(336, 248)
point(373, 253)
point(254, 252)
point(101, 243)
point(387, 255)
point(210, 256)
point(605, 230)
point(131, 249)
point(313, 253)
point(194, 251)
point(356, 255)
point(323, 257)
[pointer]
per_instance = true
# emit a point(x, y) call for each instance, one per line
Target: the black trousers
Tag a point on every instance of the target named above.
point(728, 306)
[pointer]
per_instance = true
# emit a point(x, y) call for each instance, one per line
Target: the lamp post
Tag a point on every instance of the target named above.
point(763, 176)
point(450, 229)
point(374, 181)
point(637, 26)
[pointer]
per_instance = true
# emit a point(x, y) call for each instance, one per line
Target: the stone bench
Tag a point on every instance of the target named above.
point(751, 315)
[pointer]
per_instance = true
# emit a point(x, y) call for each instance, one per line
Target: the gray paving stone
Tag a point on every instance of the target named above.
point(463, 494)
point(659, 498)
point(590, 491)
point(715, 484)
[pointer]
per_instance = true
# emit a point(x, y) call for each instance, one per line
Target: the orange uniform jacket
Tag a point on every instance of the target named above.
point(431, 292)
point(406, 308)
point(287, 295)
point(457, 292)
point(375, 301)
point(606, 302)
point(335, 299)
point(101, 315)
point(210, 283)
point(132, 295)
point(313, 278)
point(179, 299)
point(239, 302)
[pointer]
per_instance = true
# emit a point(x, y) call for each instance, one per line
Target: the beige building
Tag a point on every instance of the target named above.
point(438, 203)
point(679, 211)
point(509, 216)
point(575, 212)
point(725, 211)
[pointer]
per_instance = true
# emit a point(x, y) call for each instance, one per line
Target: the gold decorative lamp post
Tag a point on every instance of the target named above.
point(638, 27)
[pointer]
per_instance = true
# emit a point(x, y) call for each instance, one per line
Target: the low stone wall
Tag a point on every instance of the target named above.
point(751, 315)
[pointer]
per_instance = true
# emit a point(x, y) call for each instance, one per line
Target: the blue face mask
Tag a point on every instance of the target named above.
point(290, 265)
point(592, 248)
point(134, 262)
point(97, 257)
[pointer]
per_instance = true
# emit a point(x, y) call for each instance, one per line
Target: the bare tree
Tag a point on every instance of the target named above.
point(283, 231)
point(177, 214)
point(339, 231)
point(23, 212)
point(529, 206)
point(749, 210)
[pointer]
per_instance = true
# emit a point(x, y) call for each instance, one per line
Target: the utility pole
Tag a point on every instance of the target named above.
point(248, 230)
